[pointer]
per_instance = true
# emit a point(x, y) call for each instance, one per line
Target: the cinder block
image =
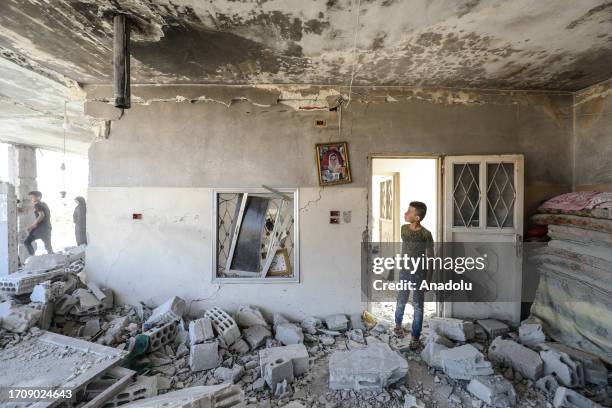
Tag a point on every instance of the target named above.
point(143, 387)
point(200, 330)
point(512, 354)
point(214, 396)
point(464, 363)
point(495, 390)
point(204, 356)
point(567, 371)
point(223, 323)
point(169, 311)
point(278, 371)
point(232, 375)
point(297, 353)
point(160, 336)
point(566, 398)
point(289, 333)
point(454, 329)
point(336, 322)
point(493, 327)
point(256, 336)
point(368, 369)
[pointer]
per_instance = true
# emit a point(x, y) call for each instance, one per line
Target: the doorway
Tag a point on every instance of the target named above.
point(395, 182)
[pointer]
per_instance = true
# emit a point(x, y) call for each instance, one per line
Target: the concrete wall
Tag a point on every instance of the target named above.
point(593, 138)
point(163, 158)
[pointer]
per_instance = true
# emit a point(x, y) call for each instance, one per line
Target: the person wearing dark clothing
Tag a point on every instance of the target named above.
point(41, 227)
point(80, 221)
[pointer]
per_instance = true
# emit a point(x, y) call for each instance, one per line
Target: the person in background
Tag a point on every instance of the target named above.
point(41, 227)
point(80, 221)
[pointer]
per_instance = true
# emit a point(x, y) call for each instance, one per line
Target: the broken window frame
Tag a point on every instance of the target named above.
point(256, 277)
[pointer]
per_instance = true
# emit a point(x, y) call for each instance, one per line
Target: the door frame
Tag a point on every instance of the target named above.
point(439, 192)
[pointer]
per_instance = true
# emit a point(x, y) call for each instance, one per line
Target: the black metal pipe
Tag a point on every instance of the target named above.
point(121, 61)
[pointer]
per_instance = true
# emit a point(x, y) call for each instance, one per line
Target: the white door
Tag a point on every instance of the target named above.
point(483, 202)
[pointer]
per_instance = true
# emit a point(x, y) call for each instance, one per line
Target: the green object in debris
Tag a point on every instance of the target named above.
point(138, 348)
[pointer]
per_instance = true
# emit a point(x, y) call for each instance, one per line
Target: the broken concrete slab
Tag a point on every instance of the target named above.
point(231, 375)
point(297, 353)
point(256, 336)
point(372, 368)
point(92, 327)
point(548, 385)
point(47, 291)
point(45, 262)
point(464, 363)
point(212, 396)
point(169, 311)
point(567, 371)
point(200, 330)
point(144, 387)
point(289, 333)
point(520, 358)
point(204, 356)
point(493, 327)
point(311, 325)
point(336, 322)
point(240, 346)
point(454, 329)
point(431, 354)
point(439, 339)
point(531, 333)
point(595, 371)
point(19, 318)
point(247, 316)
point(566, 398)
point(223, 323)
point(495, 390)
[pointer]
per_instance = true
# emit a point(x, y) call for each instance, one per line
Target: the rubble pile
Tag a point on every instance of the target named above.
point(223, 359)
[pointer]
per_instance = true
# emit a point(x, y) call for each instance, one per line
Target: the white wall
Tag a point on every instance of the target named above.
point(169, 251)
point(418, 182)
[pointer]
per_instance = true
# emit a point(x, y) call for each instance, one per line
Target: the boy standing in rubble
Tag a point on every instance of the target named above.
point(416, 242)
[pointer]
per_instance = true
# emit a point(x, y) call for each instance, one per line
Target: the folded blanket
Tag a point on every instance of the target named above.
point(575, 201)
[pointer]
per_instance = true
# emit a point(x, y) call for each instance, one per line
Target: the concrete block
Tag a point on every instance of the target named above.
point(256, 336)
point(20, 318)
point(368, 369)
point(213, 396)
point(42, 292)
point(439, 339)
point(160, 336)
point(495, 390)
point(289, 333)
point(169, 311)
point(311, 325)
point(92, 327)
point(46, 262)
point(357, 322)
point(531, 334)
point(23, 282)
point(520, 358)
point(247, 316)
point(548, 385)
point(297, 353)
point(595, 371)
point(204, 356)
point(431, 354)
point(566, 398)
point(143, 387)
point(240, 346)
point(231, 375)
point(223, 323)
point(336, 322)
point(493, 327)
point(88, 304)
point(200, 330)
point(568, 372)
point(454, 329)
point(464, 363)
point(278, 371)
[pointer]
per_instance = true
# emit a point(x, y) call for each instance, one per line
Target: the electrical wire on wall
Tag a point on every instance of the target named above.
point(353, 68)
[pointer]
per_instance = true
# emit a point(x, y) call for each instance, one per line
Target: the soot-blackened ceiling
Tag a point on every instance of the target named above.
point(561, 45)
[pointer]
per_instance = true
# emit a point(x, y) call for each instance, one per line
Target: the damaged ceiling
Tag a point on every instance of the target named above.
point(50, 48)
point(545, 45)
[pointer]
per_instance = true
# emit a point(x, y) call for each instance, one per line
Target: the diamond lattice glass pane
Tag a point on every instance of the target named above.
point(226, 208)
point(466, 195)
point(501, 195)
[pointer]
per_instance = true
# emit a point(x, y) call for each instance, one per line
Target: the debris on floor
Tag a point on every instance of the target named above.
point(235, 359)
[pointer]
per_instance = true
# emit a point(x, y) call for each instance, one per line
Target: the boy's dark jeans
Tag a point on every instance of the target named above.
point(44, 235)
point(418, 299)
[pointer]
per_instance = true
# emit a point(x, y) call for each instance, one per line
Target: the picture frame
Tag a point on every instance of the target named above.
point(333, 163)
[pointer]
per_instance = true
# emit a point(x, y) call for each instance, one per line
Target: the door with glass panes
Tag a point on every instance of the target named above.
point(483, 203)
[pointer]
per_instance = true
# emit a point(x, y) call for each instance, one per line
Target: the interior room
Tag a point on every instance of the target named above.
point(337, 203)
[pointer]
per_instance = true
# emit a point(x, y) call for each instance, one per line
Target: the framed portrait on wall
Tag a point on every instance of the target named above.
point(333, 163)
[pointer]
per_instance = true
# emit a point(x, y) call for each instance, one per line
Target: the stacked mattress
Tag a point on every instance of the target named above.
point(574, 296)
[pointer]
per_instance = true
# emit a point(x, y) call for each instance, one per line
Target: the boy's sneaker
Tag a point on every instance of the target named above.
point(398, 331)
point(415, 343)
